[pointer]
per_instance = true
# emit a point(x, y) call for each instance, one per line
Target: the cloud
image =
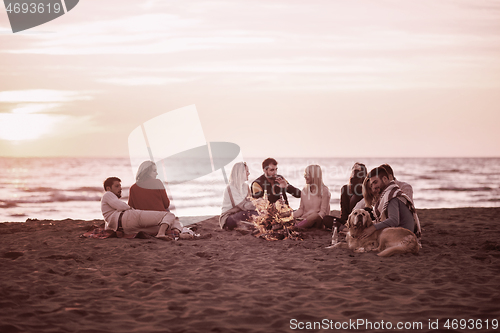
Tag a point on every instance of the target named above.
point(143, 81)
point(41, 95)
point(139, 34)
point(34, 108)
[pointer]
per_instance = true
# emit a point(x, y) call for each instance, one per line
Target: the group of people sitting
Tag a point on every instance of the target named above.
point(147, 209)
point(237, 206)
point(389, 201)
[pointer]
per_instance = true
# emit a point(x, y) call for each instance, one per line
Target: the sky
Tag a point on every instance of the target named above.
point(345, 78)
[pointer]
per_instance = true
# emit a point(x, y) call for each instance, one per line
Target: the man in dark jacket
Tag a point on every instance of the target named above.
point(273, 183)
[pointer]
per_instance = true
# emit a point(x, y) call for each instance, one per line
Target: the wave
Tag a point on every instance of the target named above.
point(424, 177)
point(18, 215)
point(55, 197)
point(7, 204)
point(60, 197)
point(461, 189)
point(52, 189)
point(89, 189)
point(38, 189)
point(448, 171)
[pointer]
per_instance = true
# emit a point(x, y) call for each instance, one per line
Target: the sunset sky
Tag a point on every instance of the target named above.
point(365, 78)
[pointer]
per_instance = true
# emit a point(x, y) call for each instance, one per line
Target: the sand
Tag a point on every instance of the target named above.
point(54, 281)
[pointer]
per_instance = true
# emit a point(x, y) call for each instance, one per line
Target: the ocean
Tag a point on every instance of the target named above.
point(60, 188)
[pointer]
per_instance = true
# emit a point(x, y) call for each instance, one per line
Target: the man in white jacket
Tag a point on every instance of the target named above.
point(120, 216)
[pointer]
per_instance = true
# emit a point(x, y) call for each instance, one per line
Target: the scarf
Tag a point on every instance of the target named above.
point(393, 191)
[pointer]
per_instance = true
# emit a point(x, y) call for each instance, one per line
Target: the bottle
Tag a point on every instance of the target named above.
point(282, 200)
point(265, 195)
point(335, 236)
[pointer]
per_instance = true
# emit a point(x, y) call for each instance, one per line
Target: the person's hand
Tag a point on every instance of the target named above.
point(282, 182)
point(248, 205)
point(368, 232)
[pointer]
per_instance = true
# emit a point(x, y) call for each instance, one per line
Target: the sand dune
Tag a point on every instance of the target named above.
point(54, 281)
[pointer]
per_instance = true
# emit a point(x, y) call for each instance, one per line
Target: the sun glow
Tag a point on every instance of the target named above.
point(40, 95)
point(18, 127)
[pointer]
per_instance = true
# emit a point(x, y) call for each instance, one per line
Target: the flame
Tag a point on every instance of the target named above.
point(273, 220)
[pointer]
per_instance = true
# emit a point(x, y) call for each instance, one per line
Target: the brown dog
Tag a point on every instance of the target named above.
point(387, 242)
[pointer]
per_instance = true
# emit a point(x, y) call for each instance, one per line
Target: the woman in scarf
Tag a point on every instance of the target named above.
point(148, 193)
point(236, 204)
point(314, 201)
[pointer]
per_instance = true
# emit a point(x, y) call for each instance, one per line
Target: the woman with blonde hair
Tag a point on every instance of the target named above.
point(369, 197)
point(236, 204)
point(314, 201)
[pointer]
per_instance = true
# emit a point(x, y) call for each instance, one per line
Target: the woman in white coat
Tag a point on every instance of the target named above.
point(236, 204)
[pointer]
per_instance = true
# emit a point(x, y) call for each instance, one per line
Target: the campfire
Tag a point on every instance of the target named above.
point(274, 220)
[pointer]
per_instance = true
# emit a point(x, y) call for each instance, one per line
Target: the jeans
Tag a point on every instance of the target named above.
point(244, 215)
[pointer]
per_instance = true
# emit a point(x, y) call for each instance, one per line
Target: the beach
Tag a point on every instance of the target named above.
point(52, 280)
